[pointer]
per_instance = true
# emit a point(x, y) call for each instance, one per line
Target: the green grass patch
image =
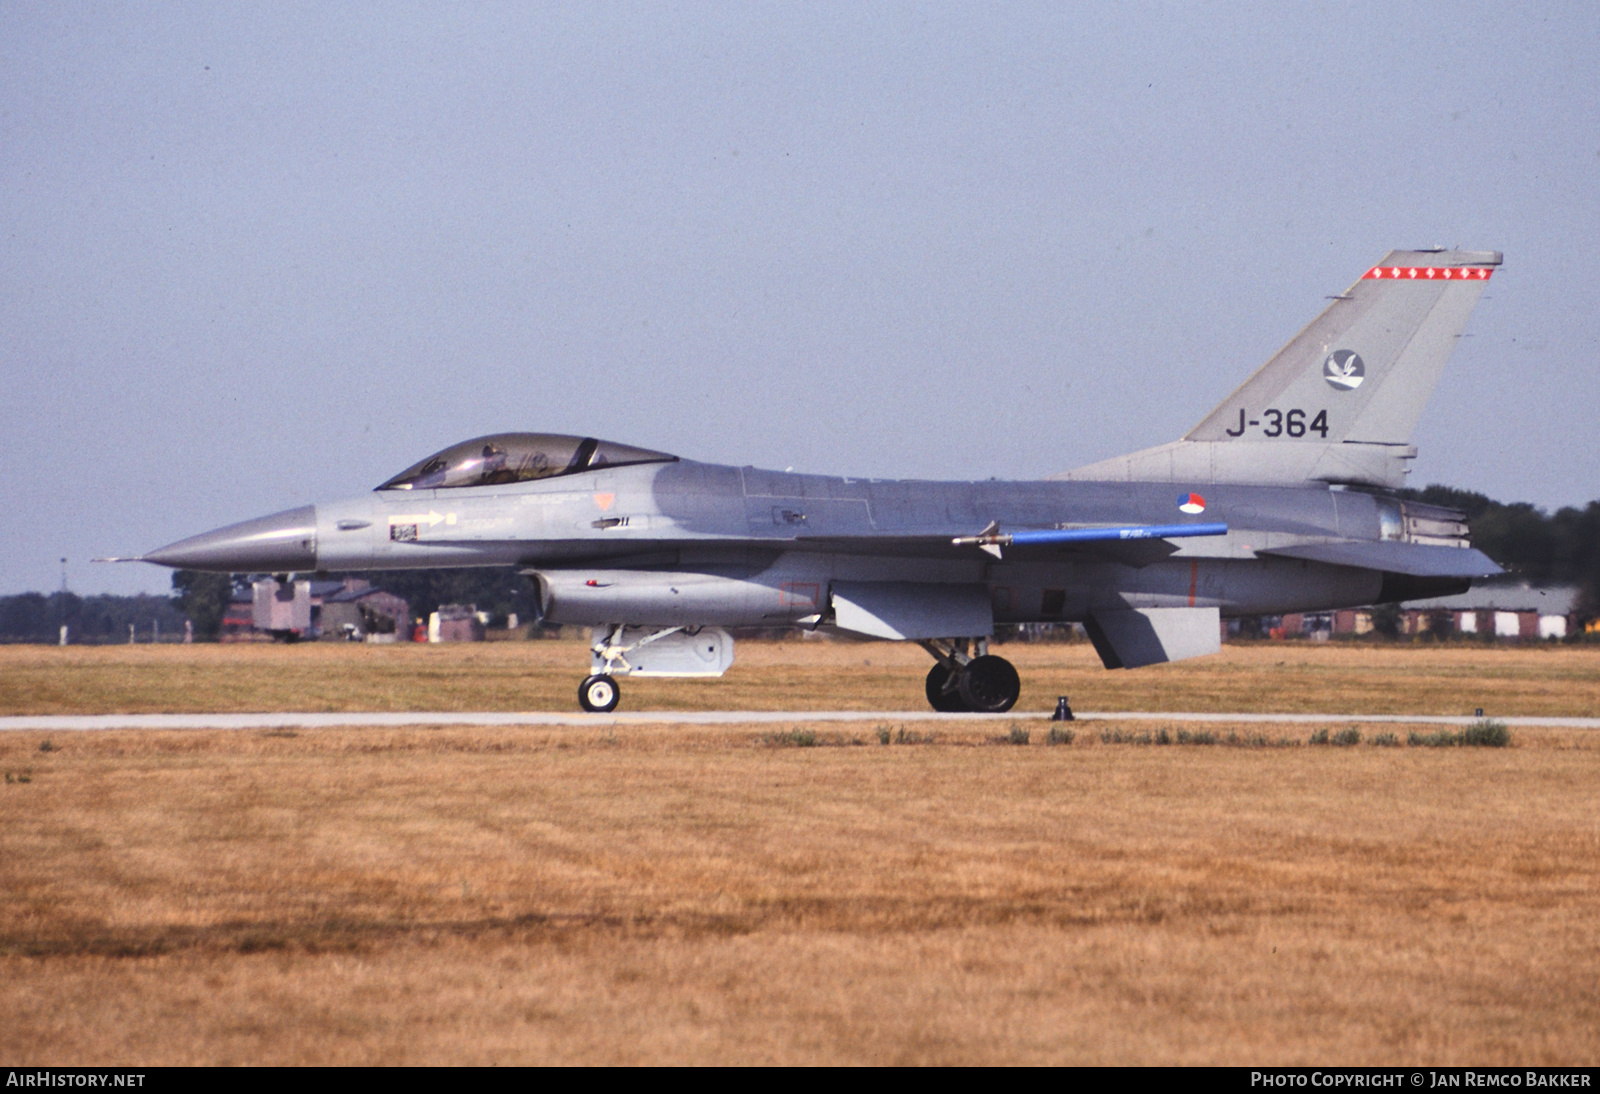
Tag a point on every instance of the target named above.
point(1484, 733)
point(791, 738)
point(1257, 740)
point(1186, 737)
point(1344, 738)
point(1440, 739)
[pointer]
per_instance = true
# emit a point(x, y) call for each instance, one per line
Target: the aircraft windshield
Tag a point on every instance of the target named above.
point(517, 457)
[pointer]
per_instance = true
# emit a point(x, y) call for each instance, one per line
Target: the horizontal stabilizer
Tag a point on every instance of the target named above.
point(909, 610)
point(1130, 639)
point(1416, 560)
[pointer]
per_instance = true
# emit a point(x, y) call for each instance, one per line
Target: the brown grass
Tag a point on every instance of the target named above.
point(793, 675)
point(696, 895)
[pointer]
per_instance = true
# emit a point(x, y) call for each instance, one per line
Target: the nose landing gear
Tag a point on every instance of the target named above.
point(966, 677)
point(599, 694)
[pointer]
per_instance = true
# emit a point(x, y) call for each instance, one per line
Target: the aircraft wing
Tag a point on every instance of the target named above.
point(1131, 545)
point(1130, 552)
point(1413, 559)
point(667, 552)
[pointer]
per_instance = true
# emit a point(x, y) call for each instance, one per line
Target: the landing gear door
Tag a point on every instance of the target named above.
point(656, 651)
point(912, 610)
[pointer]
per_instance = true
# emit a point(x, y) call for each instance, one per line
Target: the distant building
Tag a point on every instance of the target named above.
point(354, 611)
point(1351, 621)
point(238, 619)
point(1517, 612)
point(350, 610)
point(457, 623)
point(1505, 611)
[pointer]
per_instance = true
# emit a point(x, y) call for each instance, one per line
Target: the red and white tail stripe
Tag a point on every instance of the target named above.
point(1428, 273)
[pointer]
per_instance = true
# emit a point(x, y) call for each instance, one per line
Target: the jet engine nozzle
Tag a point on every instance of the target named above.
point(280, 543)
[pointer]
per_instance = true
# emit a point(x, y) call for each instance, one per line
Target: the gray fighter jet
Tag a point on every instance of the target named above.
point(1278, 501)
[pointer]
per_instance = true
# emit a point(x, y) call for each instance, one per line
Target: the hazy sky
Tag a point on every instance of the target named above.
point(261, 255)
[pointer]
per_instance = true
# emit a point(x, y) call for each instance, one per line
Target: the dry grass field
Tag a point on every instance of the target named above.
point(792, 675)
point(696, 894)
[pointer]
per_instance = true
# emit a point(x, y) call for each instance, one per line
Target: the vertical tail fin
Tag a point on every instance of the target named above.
point(1339, 402)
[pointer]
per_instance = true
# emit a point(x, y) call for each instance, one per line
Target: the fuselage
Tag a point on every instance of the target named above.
point(755, 547)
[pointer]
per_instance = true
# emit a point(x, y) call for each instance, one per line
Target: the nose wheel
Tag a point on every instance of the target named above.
point(599, 694)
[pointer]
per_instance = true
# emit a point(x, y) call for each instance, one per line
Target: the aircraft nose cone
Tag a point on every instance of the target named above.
point(279, 543)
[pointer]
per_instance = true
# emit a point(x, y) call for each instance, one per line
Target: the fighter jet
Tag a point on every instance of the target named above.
point(1280, 500)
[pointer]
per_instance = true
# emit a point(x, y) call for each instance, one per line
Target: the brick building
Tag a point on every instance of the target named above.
point(1526, 612)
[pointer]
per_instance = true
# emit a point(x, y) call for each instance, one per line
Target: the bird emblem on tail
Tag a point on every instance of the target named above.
point(1344, 370)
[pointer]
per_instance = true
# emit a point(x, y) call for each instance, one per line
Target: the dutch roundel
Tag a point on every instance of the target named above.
point(1192, 503)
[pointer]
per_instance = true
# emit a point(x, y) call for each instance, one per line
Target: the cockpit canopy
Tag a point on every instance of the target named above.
point(517, 457)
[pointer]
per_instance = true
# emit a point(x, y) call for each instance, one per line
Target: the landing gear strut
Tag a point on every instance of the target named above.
point(944, 693)
point(967, 677)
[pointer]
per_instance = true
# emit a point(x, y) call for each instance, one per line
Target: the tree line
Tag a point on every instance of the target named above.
point(1560, 548)
point(38, 617)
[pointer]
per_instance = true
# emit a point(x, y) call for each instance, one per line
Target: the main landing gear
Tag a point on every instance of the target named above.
point(967, 678)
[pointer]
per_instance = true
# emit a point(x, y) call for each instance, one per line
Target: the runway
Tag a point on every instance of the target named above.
point(376, 719)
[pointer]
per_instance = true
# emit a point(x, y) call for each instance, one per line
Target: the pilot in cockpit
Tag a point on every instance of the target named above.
point(494, 468)
point(517, 457)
